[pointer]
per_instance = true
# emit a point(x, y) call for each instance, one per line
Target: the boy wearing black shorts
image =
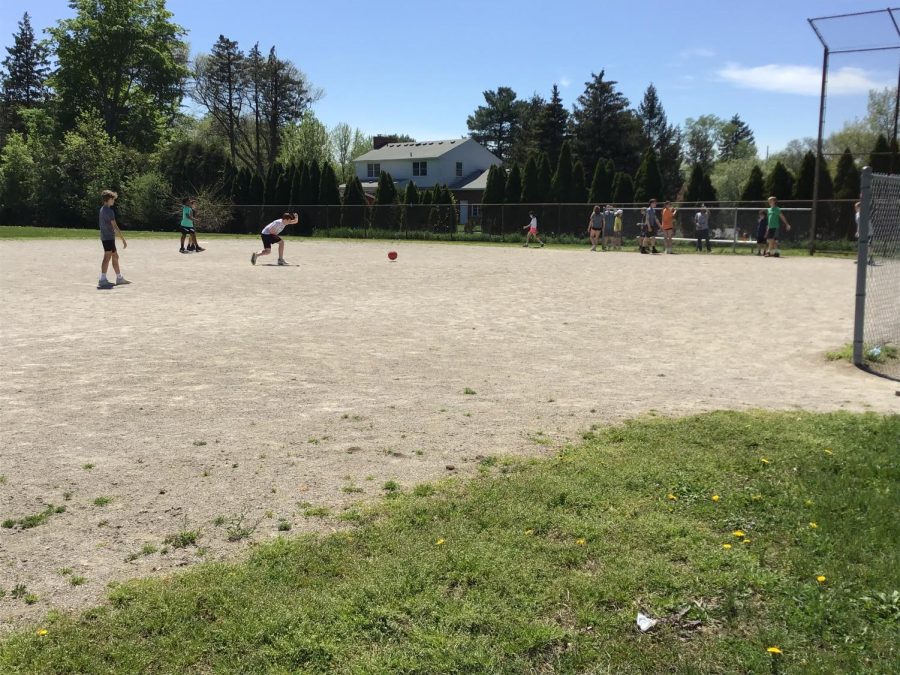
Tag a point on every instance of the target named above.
point(109, 230)
point(270, 236)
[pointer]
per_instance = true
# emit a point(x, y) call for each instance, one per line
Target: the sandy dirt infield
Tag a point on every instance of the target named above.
point(209, 387)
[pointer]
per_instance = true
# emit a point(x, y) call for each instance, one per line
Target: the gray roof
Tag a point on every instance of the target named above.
point(474, 181)
point(412, 150)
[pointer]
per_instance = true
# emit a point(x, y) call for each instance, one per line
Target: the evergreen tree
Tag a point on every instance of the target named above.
point(880, 159)
point(411, 196)
point(664, 138)
point(552, 126)
point(315, 179)
point(596, 184)
point(24, 76)
point(648, 181)
point(329, 194)
point(779, 182)
point(386, 192)
point(354, 212)
point(531, 187)
point(241, 189)
point(826, 184)
point(846, 177)
point(545, 177)
point(297, 183)
point(604, 126)
point(579, 191)
point(527, 140)
point(895, 156)
point(561, 186)
point(736, 140)
point(695, 185)
point(18, 180)
point(513, 192)
point(755, 188)
point(256, 193)
point(283, 189)
point(803, 187)
point(496, 125)
point(623, 192)
point(495, 188)
point(273, 175)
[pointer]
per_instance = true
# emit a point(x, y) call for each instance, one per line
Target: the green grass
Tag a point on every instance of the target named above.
point(542, 566)
point(882, 355)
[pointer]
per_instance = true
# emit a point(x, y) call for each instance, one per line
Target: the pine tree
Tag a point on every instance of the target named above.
point(495, 188)
point(561, 186)
point(880, 159)
point(329, 193)
point(648, 181)
point(241, 189)
point(579, 191)
point(386, 192)
point(273, 175)
point(283, 189)
point(594, 195)
point(411, 196)
point(694, 190)
point(354, 212)
point(545, 177)
point(755, 188)
point(736, 140)
point(552, 126)
point(623, 192)
point(826, 184)
point(256, 194)
point(25, 71)
point(707, 191)
point(315, 179)
point(513, 192)
point(531, 188)
point(297, 183)
point(302, 195)
point(779, 182)
point(846, 177)
point(664, 138)
point(803, 187)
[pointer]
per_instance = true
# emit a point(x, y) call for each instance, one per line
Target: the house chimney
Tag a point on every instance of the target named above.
point(381, 141)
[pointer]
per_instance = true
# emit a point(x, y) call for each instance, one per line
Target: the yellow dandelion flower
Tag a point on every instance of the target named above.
point(726, 546)
point(763, 460)
point(738, 533)
point(715, 498)
point(757, 498)
point(529, 532)
point(821, 578)
point(439, 542)
point(42, 632)
point(581, 542)
point(746, 541)
point(808, 502)
point(813, 526)
point(774, 650)
point(671, 497)
point(828, 451)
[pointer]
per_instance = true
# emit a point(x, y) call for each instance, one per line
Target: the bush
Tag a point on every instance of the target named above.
point(146, 201)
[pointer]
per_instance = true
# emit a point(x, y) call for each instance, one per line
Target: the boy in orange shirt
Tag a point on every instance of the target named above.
point(668, 225)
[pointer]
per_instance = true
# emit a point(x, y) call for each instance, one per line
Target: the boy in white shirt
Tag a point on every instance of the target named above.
point(270, 236)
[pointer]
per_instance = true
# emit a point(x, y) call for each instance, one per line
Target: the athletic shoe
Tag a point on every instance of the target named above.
point(644, 250)
point(541, 246)
point(122, 282)
point(252, 258)
point(593, 248)
point(282, 261)
point(199, 250)
point(182, 250)
point(776, 254)
point(524, 245)
point(105, 284)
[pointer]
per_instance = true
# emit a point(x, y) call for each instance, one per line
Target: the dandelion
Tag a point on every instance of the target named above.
point(671, 497)
point(581, 542)
point(726, 546)
point(821, 578)
point(738, 533)
point(763, 460)
point(813, 526)
point(529, 532)
point(757, 498)
point(42, 632)
point(440, 542)
point(774, 650)
point(808, 502)
point(746, 541)
point(715, 498)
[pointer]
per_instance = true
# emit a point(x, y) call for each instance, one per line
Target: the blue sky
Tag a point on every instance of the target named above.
point(420, 67)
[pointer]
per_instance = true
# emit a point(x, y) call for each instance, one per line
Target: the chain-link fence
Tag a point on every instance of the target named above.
point(731, 224)
point(876, 339)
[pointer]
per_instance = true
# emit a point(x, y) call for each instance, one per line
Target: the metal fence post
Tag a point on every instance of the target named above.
point(862, 259)
point(734, 233)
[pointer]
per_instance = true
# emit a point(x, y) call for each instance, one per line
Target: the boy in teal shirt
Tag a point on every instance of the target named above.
point(775, 219)
point(187, 226)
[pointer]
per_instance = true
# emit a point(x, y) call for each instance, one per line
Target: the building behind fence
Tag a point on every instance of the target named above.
point(876, 338)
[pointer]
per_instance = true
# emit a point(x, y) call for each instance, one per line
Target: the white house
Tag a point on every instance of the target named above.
point(460, 163)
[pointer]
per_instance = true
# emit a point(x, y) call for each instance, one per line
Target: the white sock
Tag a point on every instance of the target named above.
point(102, 277)
point(119, 276)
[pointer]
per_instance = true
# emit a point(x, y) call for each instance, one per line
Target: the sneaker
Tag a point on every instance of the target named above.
point(654, 252)
point(199, 250)
point(253, 259)
point(105, 284)
point(524, 245)
point(182, 250)
point(542, 245)
point(282, 261)
point(776, 254)
point(122, 282)
point(593, 248)
point(644, 250)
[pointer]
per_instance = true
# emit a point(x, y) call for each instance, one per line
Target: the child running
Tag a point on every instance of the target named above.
point(270, 236)
point(595, 227)
point(187, 226)
point(775, 219)
point(532, 231)
point(109, 230)
point(762, 227)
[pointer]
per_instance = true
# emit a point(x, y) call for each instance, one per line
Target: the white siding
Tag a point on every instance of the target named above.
point(440, 170)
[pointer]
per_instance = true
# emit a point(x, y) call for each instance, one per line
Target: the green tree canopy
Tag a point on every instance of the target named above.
point(531, 186)
point(561, 185)
point(779, 182)
point(329, 193)
point(513, 192)
point(880, 157)
point(623, 189)
point(578, 194)
point(664, 138)
point(23, 76)
point(496, 124)
point(755, 187)
point(648, 181)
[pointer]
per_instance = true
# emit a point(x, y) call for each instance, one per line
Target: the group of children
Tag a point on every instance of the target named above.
point(605, 228)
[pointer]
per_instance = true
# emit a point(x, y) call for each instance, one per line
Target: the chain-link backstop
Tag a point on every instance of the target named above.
point(876, 337)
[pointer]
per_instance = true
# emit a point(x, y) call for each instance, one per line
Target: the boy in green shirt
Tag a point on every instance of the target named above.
point(775, 219)
point(187, 226)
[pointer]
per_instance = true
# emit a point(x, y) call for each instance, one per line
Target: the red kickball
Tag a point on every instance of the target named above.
point(392, 255)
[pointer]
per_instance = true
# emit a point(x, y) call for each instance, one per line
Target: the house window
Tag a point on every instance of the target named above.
point(373, 170)
point(459, 169)
point(420, 168)
point(476, 210)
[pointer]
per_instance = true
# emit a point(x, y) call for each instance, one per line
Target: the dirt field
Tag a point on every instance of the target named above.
point(209, 387)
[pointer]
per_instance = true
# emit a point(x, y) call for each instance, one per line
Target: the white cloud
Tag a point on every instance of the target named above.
point(564, 82)
point(803, 80)
point(696, 53)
